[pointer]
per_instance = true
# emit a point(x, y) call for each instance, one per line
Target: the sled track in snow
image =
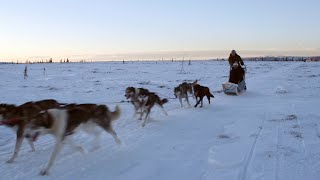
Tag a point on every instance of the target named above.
point(276, 173)
point(248, 159)
point(300, 128)
point(302, 139)
point(316, 126)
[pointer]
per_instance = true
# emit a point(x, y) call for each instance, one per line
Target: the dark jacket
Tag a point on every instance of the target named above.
point(236, 75)
point(233, 59)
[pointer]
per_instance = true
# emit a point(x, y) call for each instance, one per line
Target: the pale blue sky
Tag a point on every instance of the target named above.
point(124, 28)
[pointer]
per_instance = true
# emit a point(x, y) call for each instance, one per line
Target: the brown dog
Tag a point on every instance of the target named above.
point(200, 92)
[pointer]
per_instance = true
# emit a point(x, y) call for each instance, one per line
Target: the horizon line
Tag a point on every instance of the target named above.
point(170, 55)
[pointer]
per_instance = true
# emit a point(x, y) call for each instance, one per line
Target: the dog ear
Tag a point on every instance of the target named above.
point(195, 82)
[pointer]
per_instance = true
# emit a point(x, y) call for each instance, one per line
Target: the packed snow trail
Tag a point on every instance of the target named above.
point(268, 133)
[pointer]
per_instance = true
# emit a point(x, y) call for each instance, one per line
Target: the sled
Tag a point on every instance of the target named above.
point(234, 89)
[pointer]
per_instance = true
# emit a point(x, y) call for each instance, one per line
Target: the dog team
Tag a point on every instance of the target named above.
point(33, 119)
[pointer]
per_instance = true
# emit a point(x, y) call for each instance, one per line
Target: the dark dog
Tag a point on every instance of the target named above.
point(200, 92)
point(17, 117)
point(63, 122)
point(182, 91)
point(148, 100)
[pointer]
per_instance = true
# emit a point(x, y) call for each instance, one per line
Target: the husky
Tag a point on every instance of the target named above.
point(182, 91)
point(200, 92)
point(16, 117)
point(133, 94)
point(148, 100)
point(89, 127)
point(63, 122)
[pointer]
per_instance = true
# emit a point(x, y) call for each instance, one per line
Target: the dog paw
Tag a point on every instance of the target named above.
point(143, 124)
point(10, 161)
point(118, 141)
point(44, 172)
point(80, 149)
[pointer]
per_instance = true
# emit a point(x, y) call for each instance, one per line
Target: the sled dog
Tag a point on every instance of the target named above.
point(200, 92)
point(148, 100)
point(182, 90)
point(16, 117)
point(63, 122)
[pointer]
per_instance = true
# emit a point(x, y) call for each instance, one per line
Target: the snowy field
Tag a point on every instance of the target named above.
point(271, 132)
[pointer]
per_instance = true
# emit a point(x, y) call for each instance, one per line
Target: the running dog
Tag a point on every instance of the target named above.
point(148, 100)
point(200, 92)
point(133, 94)
point(182, 91)
point(16, 117)
point(63, 122)
point(89, 127)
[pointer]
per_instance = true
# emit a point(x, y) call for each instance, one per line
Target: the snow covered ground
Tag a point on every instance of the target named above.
point(271, 132)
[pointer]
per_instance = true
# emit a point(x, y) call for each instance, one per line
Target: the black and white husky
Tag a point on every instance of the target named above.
point(62, 123)
point(148, 100)
point(132, 94)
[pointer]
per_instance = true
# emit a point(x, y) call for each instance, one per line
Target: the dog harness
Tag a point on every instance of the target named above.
point(10, 121)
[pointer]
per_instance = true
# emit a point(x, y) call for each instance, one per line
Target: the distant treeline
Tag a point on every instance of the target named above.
point(285, 58)
point(271, 58)
point(37, 62)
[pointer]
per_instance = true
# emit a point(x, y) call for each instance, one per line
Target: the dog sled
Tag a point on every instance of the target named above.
point(234, 89)
point(236, 75)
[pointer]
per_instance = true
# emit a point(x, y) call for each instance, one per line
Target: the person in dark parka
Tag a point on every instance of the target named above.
point(234, 57)
point(236, 70)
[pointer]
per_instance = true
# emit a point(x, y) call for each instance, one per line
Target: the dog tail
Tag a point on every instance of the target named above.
point(211, 95)
point(115, 114)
